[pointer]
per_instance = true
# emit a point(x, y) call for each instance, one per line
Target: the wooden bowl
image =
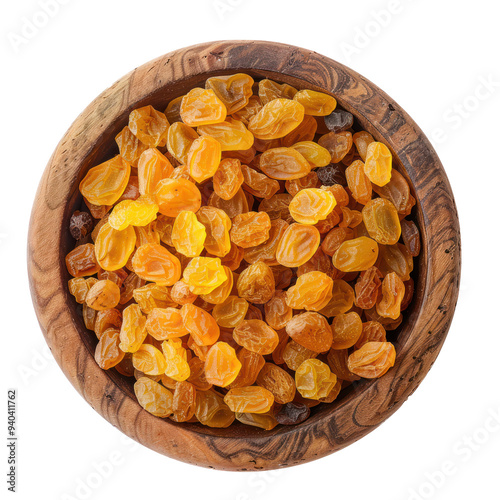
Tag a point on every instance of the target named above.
point(90, 140)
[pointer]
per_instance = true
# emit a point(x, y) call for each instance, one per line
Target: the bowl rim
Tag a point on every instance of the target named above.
point(352, 417)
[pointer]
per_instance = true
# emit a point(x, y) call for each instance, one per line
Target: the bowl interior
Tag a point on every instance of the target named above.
point(106, 147)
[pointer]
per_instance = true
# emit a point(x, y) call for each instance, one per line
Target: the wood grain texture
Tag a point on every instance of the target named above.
point(331, 427)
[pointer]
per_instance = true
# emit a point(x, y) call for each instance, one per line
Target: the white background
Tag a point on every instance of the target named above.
point(433, 59)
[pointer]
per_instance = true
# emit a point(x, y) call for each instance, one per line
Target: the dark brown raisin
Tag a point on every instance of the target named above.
point(80, 225)
point(339, 120)
point(408, 296)
point(293, 413)
point(332, 174)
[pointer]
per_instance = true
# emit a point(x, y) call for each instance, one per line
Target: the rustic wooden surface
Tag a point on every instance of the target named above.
point(331, 427)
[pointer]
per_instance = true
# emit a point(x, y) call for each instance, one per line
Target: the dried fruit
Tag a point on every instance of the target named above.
point(270, 90)
point(237, 205)
point(378, 163)
point(113, 248)
point(217, 225)
point(337, 361)
point(258, 184)
point(367, 288)
point(222, 292)
point(233, 90)
point(339, 120)
point(372, 331)
point(251, 364)
point(149, 126)
point(176, 364)
point(188, 235)
point(256, 336)
point(153, 397)
point(79, 288)
point(130, 146)
point(266, 421)
point(337, 144)
point(80, 225)
point(228, 178)
point(311, 330)
point(372, 360)
point(250, 229)
point(175, 195)
point(201, 325)
point(204, 157)
point(179, 140)
point(346, 329)
point(358, 182)
point(211, 410)
point(381, 221)
point(231, 312)
point(411, 237)
point(104, 184)
point(153, 296)
point(104, 294)
point(357, 254)
point(278, 312)
point(278, 382)
point(315, 103)
point(362, 140)
point(314, 380)
point(238, 258)
point(312, 205)
point(297, 245)
point(197, 375)
point(204, 274)
point(173, 110)
point(107, 352)
point(332, 174)
point(221, 366)
point(140, 212)
point(312, 292)
point(393, 291)
point(284, 164)
point(249, 399)
point(231, 134)
point(395, 258)
point(202, 107)
point(276, 119)
point(266, 252)
point(149, 360)
point(341, 301)
point(164, 324)
point(133, 330)
point(82, 261)
point(293, 413)
point(315, 154)
point(154, 262)
point(184, 402)
point(256, 283)
point(335, 238)
point(294, 355)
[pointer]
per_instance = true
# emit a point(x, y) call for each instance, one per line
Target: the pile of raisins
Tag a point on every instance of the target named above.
point(244, 254)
